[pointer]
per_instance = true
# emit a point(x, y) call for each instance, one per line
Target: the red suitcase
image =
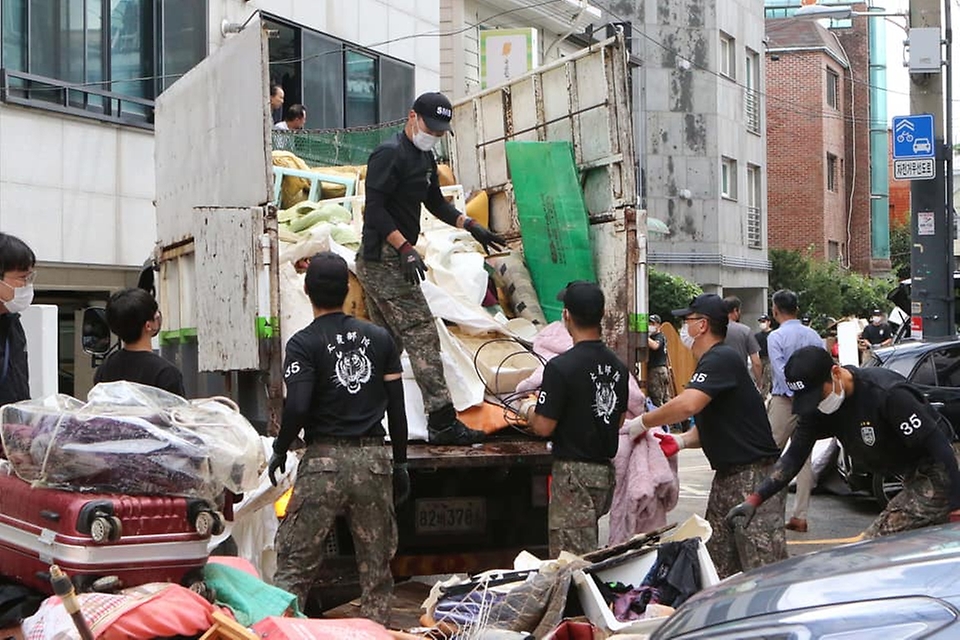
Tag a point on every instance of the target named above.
point(137, 539)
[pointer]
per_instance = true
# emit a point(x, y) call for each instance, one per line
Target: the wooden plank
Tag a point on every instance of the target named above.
point(227, 260)
point(407, 600)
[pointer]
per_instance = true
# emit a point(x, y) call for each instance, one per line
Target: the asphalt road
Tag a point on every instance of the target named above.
point(832, 519)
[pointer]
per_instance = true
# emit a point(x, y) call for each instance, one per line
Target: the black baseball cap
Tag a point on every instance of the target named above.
point(706, 304)
point(763, 318)
point(584, 300)
point(806, 371)
point(327, 278)
point(435, 109)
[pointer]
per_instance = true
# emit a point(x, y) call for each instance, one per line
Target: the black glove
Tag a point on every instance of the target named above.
point(277, 461)
point(742, 514)
point(487, 239)
point(401, 483)
point(411, 264)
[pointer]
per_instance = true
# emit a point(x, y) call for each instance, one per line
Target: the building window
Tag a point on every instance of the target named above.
point(341, 84)
point(831, 172)
point(79, 50)
point(833, 251)
point(751, 93)
point(754, 212)
point(728, 178)
point(728, 56)
point(833, 88)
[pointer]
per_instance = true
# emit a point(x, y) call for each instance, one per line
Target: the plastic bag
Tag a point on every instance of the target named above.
point(132, 439)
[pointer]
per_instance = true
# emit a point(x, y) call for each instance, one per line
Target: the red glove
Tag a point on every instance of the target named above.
point(954, 515)
point(668, 444)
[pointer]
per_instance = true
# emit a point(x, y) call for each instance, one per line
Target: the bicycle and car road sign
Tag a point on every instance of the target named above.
point(913, 147)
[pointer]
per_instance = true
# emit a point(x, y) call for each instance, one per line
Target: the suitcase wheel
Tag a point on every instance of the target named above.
point(209, 523)
point(105, 529)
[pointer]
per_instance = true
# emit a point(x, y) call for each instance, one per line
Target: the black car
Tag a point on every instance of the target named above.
point(932, 366)
point(897, 587)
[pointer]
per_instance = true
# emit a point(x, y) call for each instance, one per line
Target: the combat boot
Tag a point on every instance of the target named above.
point(444, 428)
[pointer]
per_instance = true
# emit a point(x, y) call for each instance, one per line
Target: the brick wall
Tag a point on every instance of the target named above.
point(899, 194)
point(801, 129)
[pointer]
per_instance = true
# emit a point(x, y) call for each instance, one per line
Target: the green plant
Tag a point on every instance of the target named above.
point(900, 247)
point(668, 292)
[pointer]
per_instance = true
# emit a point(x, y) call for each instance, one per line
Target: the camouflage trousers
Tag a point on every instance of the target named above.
point(659, 389)
point(394, 303)
point(764, 540)
point(766, 378)
point(923, 501)
point(580, 493)
point(357, 482)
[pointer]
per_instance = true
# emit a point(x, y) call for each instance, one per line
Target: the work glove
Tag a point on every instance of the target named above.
point(411, 264)
point(742, 514)
point(635, 427)
point(954, 515)
point(277, 461)
point(487, 239)
point(401, 483)
point(669, 444)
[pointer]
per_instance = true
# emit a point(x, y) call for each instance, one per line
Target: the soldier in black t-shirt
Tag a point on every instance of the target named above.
point(732, 428)
point(402, 176)
point(342, 374)
point(659, 386)
point(133, 315)
point(884, 423)
point(581, 405)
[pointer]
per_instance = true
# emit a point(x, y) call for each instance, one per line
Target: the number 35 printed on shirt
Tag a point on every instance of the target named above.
point(292, 369)
point(911, 424)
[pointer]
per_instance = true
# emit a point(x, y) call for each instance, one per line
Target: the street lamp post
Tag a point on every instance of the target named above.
point(931, 201)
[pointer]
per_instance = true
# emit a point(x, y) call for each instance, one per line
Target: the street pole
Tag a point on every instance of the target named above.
point(931, 224)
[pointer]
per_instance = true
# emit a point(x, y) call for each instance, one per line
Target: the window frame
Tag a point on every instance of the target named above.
point(751, 93)
point(754, 207)
point(727, 64)
point(831, 171)
point(833, 88)
point(728, 178)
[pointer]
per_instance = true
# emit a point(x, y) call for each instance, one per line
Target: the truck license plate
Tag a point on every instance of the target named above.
point(465, 515)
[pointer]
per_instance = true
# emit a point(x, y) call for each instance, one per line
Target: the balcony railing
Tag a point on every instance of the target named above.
point(751, 109)
point(85, 101)
point(754, 228)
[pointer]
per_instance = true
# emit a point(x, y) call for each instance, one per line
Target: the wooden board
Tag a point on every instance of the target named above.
point(680, 358)
point(407, 598)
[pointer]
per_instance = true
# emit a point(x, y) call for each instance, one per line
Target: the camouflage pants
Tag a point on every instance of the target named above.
point(580, 493)
point(394, 303)
point(659, 389)
point(766, 378)
point(764, 540)
point(355, 481)
point(923, 501)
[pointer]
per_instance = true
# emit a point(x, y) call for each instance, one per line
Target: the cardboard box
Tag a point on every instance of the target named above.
point(633, 572)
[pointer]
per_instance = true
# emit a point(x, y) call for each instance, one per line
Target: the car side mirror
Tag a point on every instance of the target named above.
point(95, 338)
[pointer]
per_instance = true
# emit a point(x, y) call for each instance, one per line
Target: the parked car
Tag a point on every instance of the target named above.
point(897, 587)
point(932, 366)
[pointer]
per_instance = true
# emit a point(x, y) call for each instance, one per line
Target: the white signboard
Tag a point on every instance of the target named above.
point(926, 223)
point(922, 169)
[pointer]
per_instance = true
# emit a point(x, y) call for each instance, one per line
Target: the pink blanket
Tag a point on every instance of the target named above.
point(553, 340)
point(647, 487)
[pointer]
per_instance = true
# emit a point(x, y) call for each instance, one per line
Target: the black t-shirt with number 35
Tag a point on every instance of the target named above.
point(733, 427)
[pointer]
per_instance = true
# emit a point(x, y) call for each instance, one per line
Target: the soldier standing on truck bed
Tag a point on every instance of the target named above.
point(341, 374)
point(581, 405)
point(402, 175)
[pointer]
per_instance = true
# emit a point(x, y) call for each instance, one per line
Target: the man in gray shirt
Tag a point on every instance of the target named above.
point(742, 339)
point(781, 344)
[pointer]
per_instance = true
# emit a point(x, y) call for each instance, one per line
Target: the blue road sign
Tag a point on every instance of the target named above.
point(913, 137)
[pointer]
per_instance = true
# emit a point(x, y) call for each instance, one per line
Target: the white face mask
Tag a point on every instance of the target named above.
point(423, 140)
point(876, 319)
point(832, 402)
point(22, 298)
point(685, 337)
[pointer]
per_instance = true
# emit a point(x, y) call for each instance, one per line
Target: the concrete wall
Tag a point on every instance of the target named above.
point(803, 128)
point(694, 117)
